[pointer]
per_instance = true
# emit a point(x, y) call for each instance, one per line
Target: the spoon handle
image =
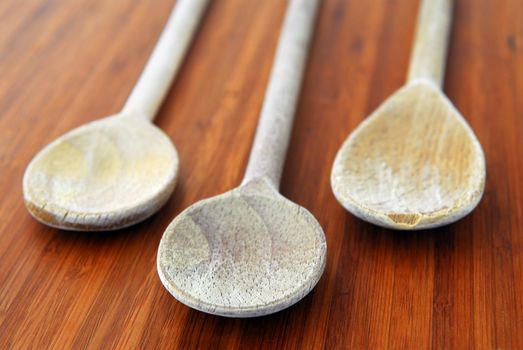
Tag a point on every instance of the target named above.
point(277, 113)
point(430, 44)
point(167, 56)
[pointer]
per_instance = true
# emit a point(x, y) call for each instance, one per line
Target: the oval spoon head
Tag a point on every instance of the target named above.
point(105, 175)
point(242, 254)
point(413, 164)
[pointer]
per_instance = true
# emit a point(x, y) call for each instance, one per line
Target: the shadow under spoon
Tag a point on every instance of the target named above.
point(119, 170)
point(251, 252)
point(415, 163)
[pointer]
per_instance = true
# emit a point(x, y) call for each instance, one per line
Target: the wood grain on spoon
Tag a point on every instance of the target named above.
point(250, 251)
point(119, 170)
point(414, 163)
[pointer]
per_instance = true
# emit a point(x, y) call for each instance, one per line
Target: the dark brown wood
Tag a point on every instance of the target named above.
point(63, 63)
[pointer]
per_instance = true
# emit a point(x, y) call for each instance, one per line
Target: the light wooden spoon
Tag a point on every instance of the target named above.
point(119, 170)
point(414, 163)
point(250, 251)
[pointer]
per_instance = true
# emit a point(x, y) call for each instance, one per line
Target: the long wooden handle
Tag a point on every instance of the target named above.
point(167, 56)
point(277, 114)
point(430, 44)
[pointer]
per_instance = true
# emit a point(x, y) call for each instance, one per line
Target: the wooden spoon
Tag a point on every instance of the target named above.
point(250, 251)
point(119, 170)
point(414, 163)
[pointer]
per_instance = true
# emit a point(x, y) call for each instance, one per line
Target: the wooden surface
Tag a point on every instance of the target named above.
point(64, 63)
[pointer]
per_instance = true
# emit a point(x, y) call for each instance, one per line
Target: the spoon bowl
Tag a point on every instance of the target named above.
point(110, 173)
point(413, 164)
point(245, 253)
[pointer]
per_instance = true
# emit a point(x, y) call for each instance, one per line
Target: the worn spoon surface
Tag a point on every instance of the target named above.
point(414, 163)
point(116, 171)
point(250, 251)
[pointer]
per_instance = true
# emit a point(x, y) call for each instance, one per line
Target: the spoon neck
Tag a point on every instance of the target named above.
point(259, 186)
point(429, 51)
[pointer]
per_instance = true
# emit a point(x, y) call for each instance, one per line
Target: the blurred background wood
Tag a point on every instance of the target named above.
point(460, 286)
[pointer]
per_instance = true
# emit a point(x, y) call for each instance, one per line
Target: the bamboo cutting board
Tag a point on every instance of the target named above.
point(63, 63)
